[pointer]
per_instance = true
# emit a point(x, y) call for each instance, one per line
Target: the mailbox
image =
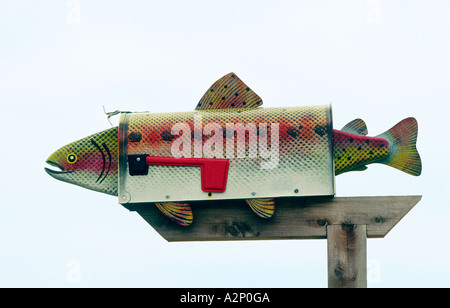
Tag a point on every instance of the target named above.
point(225, 154)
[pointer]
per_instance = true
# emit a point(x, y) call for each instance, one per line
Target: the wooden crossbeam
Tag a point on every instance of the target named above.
point(294, 218)
point(346, 223)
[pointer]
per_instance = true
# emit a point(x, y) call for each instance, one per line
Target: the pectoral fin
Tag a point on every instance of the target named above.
point(262, 207)
point(179, 213)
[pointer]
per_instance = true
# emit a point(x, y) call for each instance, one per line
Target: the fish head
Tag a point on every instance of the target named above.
point(91, 162)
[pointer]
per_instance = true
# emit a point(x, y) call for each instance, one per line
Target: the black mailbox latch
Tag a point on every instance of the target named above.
point(137, 164)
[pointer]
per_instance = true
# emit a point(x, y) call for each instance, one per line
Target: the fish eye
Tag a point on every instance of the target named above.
point(71, 158)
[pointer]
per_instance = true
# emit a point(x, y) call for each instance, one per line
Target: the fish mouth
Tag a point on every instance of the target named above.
point(53, 171)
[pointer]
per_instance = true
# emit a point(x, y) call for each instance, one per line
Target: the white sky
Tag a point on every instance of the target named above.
point(381, 61)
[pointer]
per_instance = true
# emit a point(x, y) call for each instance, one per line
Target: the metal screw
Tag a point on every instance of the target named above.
point(167, 196)
point(138, 159)
point(253, 193)
point(296, 190)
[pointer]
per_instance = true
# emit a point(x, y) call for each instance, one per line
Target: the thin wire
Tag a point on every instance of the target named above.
point(113, 113)
point(116, 112)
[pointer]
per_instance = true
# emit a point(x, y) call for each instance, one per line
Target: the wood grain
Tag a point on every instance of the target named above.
point(294, 218)
point(347, 256)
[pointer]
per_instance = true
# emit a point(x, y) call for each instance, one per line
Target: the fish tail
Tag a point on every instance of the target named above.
point(403, 154)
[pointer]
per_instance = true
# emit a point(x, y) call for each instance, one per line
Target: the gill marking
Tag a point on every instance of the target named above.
point(103, 156)
point(110, 158)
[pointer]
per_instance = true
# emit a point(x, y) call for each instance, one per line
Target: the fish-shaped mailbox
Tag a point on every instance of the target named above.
point(229, 148)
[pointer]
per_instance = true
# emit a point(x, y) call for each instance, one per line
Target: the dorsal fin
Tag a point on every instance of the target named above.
point(356, 126)
point(180, 213)
point(229, 92)
point(262, 207)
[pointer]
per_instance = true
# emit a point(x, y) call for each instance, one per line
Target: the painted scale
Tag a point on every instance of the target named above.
point(229, 148)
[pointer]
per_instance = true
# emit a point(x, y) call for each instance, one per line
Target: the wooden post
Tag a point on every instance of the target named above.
point(345, 222)
point(347, 256)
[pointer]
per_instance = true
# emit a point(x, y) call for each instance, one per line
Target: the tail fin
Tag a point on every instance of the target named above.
point(403, 154)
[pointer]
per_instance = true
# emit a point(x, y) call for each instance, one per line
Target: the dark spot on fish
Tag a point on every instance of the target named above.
point(349, 157)
point(371, 153)
point(300, 126)
point(339, 157)
point(248, 89)
point(225, 86)
point(259, 103)
point(232, 76)
point(232, 105)
point(244, 103)
point(223, 98)
point(382, 145)
point(166, 136)
point(199, 105)
point(292, 132)
point(367, 141)
point(236, 94)
point(351, 140)
point(211, 103)
point(319, 130)
point(359, 148)
point(344, 150)
point(212, 90)
point(134, 137)
point(224, 134)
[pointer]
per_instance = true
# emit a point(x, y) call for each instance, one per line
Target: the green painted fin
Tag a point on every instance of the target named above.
point(229, 92)
point(262, 207)
point(356, 126)
point(180, 213)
